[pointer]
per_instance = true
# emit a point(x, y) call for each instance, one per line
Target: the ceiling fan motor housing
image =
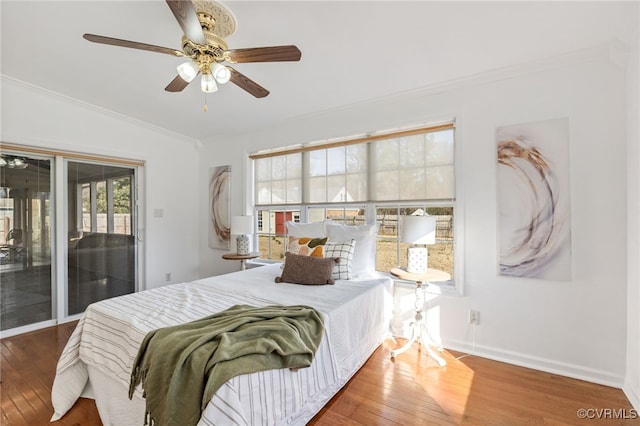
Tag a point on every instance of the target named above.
point(215, 47)
point(217, 22)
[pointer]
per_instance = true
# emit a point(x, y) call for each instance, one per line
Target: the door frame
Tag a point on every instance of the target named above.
point(59, 229)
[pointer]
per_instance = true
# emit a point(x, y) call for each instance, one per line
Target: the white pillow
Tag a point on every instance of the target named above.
point(364, 256)
point(312, 230)
point(343, 251)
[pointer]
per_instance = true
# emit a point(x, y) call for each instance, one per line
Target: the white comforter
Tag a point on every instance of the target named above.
point(97, 359)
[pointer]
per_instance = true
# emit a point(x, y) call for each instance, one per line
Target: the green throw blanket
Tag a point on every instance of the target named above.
point(181, 367)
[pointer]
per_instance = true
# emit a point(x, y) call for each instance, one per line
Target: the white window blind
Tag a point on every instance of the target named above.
point(279, 179)
point(415, 164)
point(338, 175)
point(416, 167)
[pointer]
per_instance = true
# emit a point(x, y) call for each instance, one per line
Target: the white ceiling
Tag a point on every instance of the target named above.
point(351, 52)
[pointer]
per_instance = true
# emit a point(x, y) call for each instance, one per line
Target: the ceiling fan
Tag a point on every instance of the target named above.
point(205, 24)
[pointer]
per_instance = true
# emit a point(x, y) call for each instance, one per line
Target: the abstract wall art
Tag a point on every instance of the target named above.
point(534, 212)
point(220, 207)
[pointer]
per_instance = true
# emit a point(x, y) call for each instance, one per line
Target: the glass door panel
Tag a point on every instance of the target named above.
point(25, 241)
point(101, 250)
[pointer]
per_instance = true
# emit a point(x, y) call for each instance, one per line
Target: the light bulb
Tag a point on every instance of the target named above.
point(208, 83)
point(188, 71)
point(220, 72)
point(19, 163)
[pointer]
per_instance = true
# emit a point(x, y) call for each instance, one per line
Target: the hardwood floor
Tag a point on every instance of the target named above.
point(413, 390)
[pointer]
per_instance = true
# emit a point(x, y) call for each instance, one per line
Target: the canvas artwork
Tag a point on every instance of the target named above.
point(219, 207)
point(534, 212)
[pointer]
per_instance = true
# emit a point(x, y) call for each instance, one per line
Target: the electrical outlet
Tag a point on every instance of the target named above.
point(474, 317)
point(167, 276)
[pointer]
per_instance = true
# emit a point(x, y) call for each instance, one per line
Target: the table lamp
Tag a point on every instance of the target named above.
point(242, 226)
point(418, 231)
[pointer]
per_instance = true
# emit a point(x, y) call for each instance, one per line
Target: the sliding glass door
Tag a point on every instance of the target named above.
point(101, 248)
point(67, 234)
point(25, 240)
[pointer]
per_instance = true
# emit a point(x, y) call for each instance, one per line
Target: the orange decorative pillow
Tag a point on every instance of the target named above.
point(307, 246)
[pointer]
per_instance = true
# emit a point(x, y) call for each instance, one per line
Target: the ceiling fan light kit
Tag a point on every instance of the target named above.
point(220, 72)
point(13, 162)
point(188, 71)
point(205, 25)
point(208, 83)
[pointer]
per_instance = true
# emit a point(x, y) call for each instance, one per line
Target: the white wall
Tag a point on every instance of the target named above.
point(34, 117)
point(220, 153)
point(576, 328)
point(632, 379)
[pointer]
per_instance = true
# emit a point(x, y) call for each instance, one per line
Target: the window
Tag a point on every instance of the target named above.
point(392, 252)
point(271, 231)
point(279, 180)
point(101, 245)
point(368, 180)
point(106, 204)
point(346, 215)
point(338, 175)
point(417, 167)
point(85, 191)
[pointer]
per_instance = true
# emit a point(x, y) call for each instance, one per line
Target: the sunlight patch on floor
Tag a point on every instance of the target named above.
point(444, 390)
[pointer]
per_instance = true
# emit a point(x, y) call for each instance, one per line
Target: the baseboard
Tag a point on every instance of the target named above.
point(543, 364)
point(632, 395)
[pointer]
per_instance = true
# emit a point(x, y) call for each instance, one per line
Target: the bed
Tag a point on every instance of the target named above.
point(97, 359)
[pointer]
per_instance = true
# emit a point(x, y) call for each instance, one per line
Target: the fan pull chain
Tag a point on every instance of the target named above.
point(206, 107)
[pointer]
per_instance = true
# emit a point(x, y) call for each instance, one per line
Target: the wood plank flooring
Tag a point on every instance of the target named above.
point(413, 390)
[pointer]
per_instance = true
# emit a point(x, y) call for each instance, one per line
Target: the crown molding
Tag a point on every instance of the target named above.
point(613, 53)
point(113, 114)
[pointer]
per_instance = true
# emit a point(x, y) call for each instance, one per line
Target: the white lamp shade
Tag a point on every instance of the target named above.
point(241, 225)
point(208, 83)
point(188, 71)
point(220, 73)
point(419, 229)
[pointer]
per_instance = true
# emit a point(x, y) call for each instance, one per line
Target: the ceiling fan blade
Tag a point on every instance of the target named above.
point(188, 19)
point(245, 83)
point(265, 54)
point(176, 85)
point(132, 44)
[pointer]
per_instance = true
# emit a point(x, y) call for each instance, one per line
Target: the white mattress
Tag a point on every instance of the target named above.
point(97, 359)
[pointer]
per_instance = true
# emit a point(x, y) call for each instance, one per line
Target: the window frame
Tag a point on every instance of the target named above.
point(59, 224)
point(453, 287)
point(110, 214)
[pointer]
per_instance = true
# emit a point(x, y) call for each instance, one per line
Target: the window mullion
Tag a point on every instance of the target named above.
point(426, 168)
point(79, 209)
point(306, 185)
point(371, 172)
point(326, 176)
point(398, 235)
point(94, 206)
point(110, 212)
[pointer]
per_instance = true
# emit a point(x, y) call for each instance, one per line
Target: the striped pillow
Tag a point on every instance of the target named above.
point(343, 251)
